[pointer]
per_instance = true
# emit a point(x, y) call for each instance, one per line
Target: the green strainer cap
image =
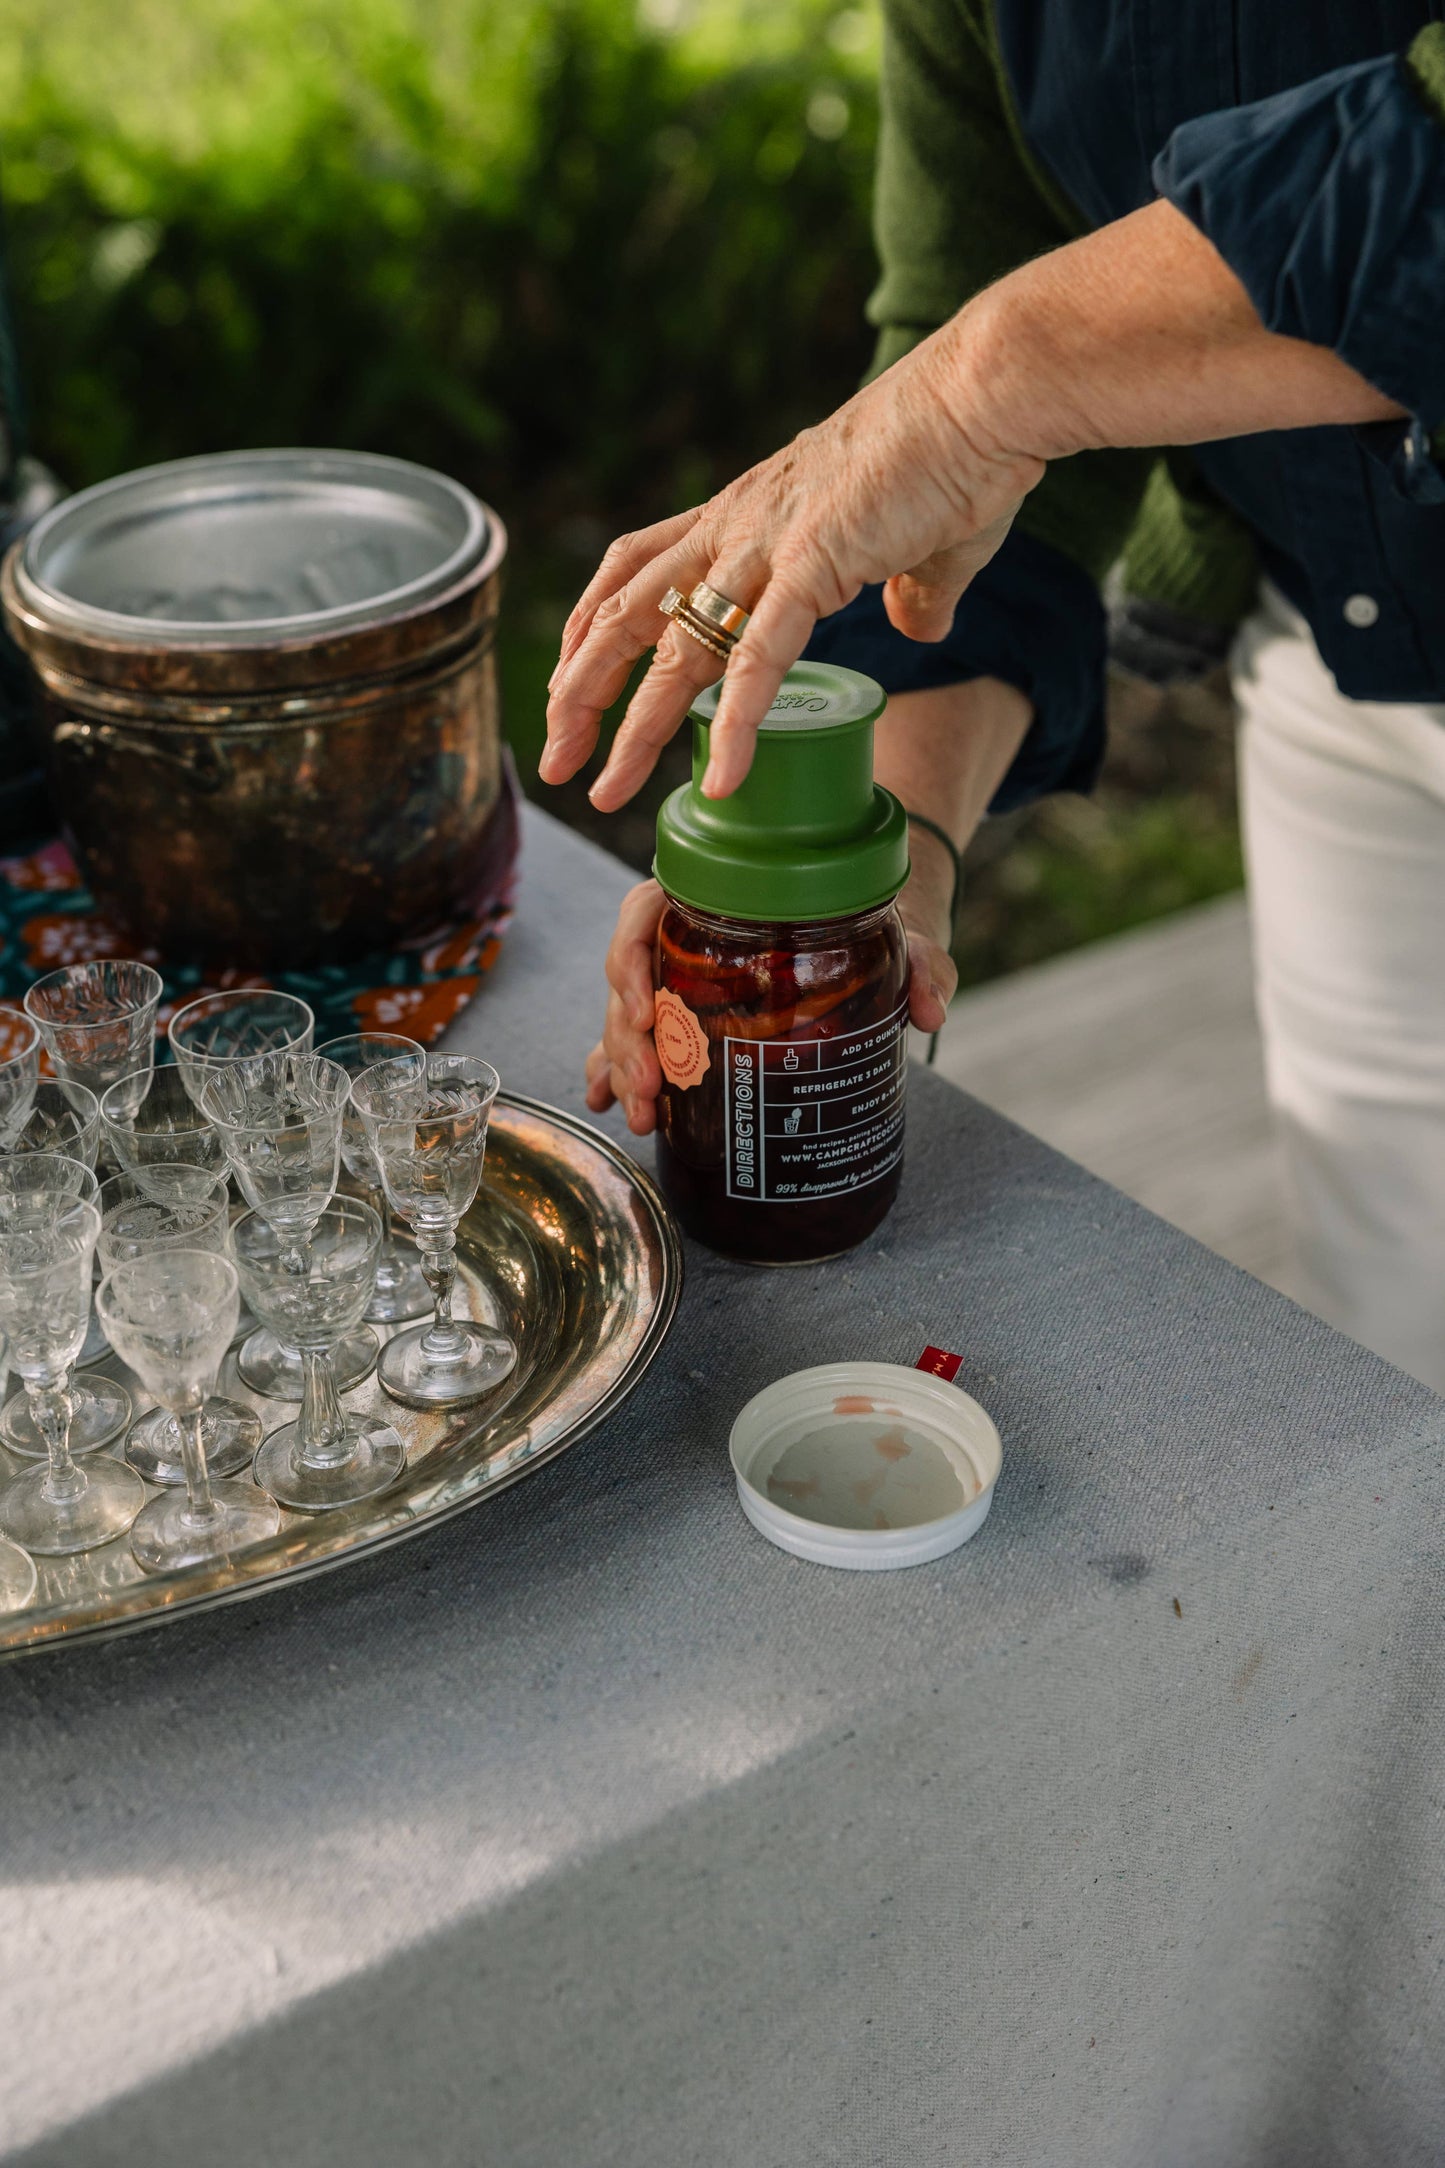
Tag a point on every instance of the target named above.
point(808, 833)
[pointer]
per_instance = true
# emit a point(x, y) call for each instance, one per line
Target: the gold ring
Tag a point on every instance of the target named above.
point(718, 610)
point(679, 608)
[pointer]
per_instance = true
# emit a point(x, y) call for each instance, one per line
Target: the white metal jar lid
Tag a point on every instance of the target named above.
point(250, 548)
point(865, 1465)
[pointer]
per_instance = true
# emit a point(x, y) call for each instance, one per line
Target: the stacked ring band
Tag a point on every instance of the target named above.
point(719, 611)
point(707, 617)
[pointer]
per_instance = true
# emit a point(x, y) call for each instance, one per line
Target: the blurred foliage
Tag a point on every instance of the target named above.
point(1159, 833)
point(592, 256)
point(579, 254)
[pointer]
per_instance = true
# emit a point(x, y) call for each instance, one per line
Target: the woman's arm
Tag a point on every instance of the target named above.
point(1137, 334)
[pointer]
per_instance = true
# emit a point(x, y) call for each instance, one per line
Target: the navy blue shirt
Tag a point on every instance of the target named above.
point(1293, 136)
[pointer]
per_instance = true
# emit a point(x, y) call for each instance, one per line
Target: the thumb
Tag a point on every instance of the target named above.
point(932, 977)
point(921, 601)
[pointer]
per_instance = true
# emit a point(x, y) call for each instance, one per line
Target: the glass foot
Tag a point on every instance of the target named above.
point(18, 1578)
point(232, 1434)
point(274, 1370)
point(401, 1290)
point(376, 1459)
point(99, 1411)
point(419, 1379)
point(96, 1347)
point(168, 1536)
point(104, 1502)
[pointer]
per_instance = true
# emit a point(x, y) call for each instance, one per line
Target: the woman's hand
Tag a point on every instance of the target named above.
point(1138, 334)
point(905, 484)
point(623, 1066)
point(945, 750)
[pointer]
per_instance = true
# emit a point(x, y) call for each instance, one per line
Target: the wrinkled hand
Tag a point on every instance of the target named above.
point(904, 484)
point(623, 1066)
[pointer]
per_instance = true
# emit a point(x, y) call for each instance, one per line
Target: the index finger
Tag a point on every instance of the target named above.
point(779, 629)
point(624, 557)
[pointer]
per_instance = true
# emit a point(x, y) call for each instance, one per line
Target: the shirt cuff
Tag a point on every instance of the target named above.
point(1328, 202)
point(1410, 458)
point(1031, 618)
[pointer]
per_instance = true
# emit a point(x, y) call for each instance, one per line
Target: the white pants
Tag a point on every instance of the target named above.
point(1344, 823)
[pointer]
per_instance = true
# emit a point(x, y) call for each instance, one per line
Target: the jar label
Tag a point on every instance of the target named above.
point(681, 1041)
point(813, 1119)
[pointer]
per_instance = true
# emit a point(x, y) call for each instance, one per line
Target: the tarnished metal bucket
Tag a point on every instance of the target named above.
point(269, 700)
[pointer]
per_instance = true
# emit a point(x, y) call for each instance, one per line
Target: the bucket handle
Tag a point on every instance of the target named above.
point(204, 767)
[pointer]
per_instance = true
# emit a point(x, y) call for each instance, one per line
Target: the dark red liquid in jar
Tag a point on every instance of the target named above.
point(789, 1145)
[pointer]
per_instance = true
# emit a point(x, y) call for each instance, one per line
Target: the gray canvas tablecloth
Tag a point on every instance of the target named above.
point(592, 1832)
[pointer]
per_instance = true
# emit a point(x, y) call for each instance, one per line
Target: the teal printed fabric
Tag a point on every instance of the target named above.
point(49, 918)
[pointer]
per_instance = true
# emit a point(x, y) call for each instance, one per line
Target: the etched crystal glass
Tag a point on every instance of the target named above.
point(328, 1457)
point(401, 1291)
point(150, 1119)
point(63, 1118)
point(279, 1119)
point(429, 1133)
point(176, 1208)
point(279, 1122)
point(47, 1243)
point(19, 1073)
point(216, 1031)
point(171, 1315)
point(18, 1578)
point(100, 1407)
point(98, 1020)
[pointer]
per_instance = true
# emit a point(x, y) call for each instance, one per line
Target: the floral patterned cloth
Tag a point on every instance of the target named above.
point(48, 918)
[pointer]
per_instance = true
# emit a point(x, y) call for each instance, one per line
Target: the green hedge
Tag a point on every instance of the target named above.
point(582, 254)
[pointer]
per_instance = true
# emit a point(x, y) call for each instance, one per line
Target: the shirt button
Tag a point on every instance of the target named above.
point(1361, 611)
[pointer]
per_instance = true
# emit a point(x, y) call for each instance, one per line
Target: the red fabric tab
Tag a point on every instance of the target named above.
point(940, 1363)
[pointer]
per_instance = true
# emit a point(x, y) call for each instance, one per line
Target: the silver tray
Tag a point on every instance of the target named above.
point(570, 1248)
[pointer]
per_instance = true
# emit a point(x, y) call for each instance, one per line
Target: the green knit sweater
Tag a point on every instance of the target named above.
point(960, 201)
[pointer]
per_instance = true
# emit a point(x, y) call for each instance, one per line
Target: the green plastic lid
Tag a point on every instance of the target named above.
point(808, 833)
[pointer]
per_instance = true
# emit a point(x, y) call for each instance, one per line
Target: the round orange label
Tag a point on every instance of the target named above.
point(681, 1041)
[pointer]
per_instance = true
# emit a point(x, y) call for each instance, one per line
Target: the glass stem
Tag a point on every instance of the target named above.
point(388, 1270)
point(439, 1265)
point(201, 1508)
point(322, 1422)
point(50, 1405)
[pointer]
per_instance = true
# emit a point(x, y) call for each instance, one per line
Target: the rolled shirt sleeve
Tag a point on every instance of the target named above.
point(1328, 202)
point(1031, 617)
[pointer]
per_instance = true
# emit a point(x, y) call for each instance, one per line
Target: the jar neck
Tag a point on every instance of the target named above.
point(760, 928)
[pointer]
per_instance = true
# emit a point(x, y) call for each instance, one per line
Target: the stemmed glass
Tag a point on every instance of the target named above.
point(327, 1457)
point(401, 1290)
point(100, 1407)
point(98, 1020)
point(279, 1118)
point(19, 1072)
point(429, 1132)
point(18, 1578)
point(47, 1241)
point(175, 1208)
point(214, 1032)
point(151, 1119)
point(171, 1315)
point(63, 1118)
